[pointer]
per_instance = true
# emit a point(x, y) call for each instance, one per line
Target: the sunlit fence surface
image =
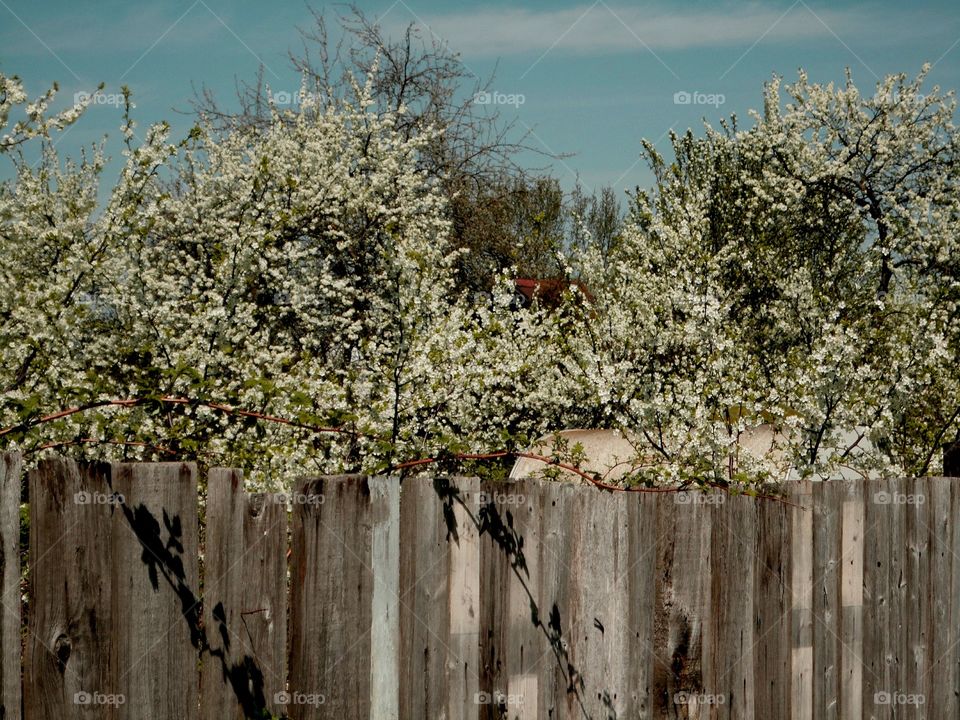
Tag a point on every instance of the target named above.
point(359, 597)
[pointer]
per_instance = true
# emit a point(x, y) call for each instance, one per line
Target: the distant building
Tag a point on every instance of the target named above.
point(549, 292)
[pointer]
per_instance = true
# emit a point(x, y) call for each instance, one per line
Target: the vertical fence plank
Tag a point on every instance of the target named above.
point(885, 606)
point(952, 587)
point(682, 605)
point(772, 607)
point(385, 620)
point(875, 593)
point(550, 509)
point(529, 554)
point(265, 538)
point(912, 697)
point(10, 482)
point(497, 547)
point(941, 700)
point(641, 578)
point(244, 600)
point(802, 572)
point(440, 598)
point(827, 640)
point(344, 653)
point(156, 594)
point(851, 501)
point(597, 617)
point(68, 671)
point(729, 673)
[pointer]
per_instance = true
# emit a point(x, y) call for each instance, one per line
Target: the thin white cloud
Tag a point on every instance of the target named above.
point(600, 29)
point(132, 31)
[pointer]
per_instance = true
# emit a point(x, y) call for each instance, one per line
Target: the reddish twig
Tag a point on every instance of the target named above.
point(220, 407)
point(95, 441)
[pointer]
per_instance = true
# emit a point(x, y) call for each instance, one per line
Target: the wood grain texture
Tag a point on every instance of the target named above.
point(597, 614)
point(802, 572)
point(69, 671)
point(540, 678)
point(827, 638)
point(851, 500)
point(682, 606)
point(155, 637)
point(497, 550)
point(10, 483)
point(772, 610)
point(440, 598)
point(942, 700)
point(640, 577)
point(344, 653)
point(729, 676)
point(244, 600)
point(914, 496)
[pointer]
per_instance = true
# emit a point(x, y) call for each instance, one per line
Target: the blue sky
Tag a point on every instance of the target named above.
point(594, 78)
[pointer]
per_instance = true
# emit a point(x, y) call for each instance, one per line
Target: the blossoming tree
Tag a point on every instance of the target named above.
point(280, 296)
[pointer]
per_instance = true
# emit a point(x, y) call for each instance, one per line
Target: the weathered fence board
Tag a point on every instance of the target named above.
point(682, 605)
point(827, 641)
point(802, 572)
point(952, 586)
point(244, 600)
point(68, 670)
point(942, 700)
point(440, 598)
point(640, 612)
point(537, 678)
point(344, 654)
point(10, 482)
point(885, 623)
point(729, 677)
point(919, 630)
point(156, 628)
point(597, 617)
point(851, 501)
point(498, 563)
point(772, 604)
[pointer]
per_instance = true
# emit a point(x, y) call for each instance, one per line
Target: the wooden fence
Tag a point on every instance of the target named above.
point(452, 598)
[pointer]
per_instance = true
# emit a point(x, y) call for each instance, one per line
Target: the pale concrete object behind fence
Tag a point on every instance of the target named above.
point(612, 455)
